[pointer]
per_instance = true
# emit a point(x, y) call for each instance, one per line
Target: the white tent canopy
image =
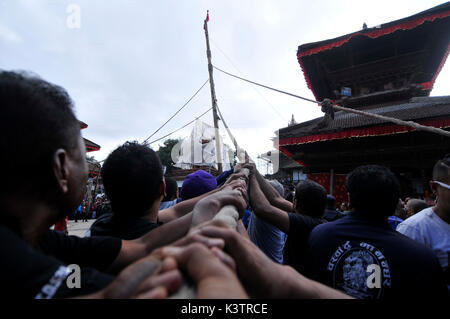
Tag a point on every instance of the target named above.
point(200, 149)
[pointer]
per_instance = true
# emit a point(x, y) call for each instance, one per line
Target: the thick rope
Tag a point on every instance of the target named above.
point(265, 86)
point(326, 103)
point(230, 215)
point(412, 124)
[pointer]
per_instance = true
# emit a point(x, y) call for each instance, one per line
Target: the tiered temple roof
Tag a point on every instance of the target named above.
point(388, 70)
point(90, 146)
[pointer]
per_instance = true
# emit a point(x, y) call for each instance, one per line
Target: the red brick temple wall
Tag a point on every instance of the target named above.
point(339, 189)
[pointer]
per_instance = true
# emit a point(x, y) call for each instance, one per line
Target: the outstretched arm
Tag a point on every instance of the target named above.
point(269, 191)
point(263, 208)
point(212, 270)
point(264, 278)
point(159, 275)
point(205, 210)
point(133, 250)
point(185, 207)
point(182, 208)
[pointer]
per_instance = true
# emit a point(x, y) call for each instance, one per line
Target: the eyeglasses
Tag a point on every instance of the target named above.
point(442, 184)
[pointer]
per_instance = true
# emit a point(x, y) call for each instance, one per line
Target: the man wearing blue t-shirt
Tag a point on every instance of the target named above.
point(295, 219)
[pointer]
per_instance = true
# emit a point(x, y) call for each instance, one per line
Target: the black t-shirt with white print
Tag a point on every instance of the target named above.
point(42, 272)
point(367, 259)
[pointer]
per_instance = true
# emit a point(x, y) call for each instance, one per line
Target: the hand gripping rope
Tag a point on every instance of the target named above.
point(229, 215)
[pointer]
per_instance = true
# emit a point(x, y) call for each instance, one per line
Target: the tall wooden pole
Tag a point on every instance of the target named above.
point(213, 97)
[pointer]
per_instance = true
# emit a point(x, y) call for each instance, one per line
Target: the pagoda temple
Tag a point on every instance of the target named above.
point(389, 70)
point(94, 167)
point(90, 146)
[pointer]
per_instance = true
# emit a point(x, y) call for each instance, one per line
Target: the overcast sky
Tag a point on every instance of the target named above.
point(133, 63)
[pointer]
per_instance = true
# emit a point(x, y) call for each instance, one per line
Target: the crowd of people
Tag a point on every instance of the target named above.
point(295, 245)
point(99, 206)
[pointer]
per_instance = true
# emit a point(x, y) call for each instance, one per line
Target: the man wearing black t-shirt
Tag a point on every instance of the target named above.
point(133, 179)
point(43, 180)
point(361, 255)
point(296, 219)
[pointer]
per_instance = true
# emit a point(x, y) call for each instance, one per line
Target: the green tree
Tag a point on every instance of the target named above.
point(164, 153)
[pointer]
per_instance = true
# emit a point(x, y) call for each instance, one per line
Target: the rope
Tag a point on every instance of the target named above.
point(180, 127)
point(265, 86)
point(327, 106)
point(176, 112)
point(228, 214)
point(412, 124)
point(259, 93)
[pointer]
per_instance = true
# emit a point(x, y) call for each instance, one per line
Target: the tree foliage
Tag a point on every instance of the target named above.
point(164, 153)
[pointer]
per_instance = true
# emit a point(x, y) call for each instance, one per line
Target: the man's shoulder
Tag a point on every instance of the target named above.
point(8, 235)
point(300, 220)
point(414, 249)
point(107, 226)
point(420, 216)
point(102, 223)
point(260, 225)
point(25, 271)
point(327, 226)
point(350, 225)
point(348, 229)
point(104, 218)
point(325, 229)
point(420, 219)
point(50, 237)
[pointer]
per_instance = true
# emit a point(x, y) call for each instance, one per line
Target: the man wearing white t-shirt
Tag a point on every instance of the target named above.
point(431, 226)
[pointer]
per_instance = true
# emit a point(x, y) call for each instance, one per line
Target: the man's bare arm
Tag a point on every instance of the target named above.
point(264, 278)
point(270, 192)
point(133, 250)
point(168, 233)
point(185, 207)
point(181, 209)
point(264, 210)
point(299, 286)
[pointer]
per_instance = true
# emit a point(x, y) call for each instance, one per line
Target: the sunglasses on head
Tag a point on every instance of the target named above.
point(442, 184)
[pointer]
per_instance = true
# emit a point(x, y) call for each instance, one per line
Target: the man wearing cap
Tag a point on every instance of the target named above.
point(196, 184)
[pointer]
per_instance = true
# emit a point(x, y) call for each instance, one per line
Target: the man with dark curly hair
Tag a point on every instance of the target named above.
point(134, 183)
point(384, 263)
point(44, 179)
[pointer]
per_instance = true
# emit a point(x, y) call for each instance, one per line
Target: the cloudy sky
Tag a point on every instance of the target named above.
point(131, 64)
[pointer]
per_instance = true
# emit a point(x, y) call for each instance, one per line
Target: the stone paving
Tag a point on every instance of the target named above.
point(79, 228)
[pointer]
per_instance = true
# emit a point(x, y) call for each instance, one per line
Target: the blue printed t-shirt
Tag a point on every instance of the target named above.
point(367, 259)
